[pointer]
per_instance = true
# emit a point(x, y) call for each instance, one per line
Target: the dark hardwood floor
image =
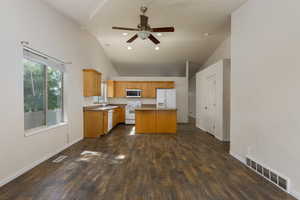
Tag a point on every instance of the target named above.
point(122, 166)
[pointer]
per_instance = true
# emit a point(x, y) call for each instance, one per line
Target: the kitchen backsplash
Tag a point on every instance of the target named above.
point(93, 100)
point(126, 100)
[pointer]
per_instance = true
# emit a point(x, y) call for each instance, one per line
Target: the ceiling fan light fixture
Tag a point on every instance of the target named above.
point(159, 34)
point(157, 48)
point(129, 48)
point(143, 34)
point(125, 34)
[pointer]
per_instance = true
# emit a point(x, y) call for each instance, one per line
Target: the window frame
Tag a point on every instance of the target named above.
point(46, 127)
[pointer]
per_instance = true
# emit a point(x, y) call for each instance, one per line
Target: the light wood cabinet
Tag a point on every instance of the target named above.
point(117, 89)
point(96, 121)
point(119, 115)
point(166, 121)
point(91, 83)
point(155, 121)
point(115, 117)
point(122, 115)
point(145, 121)
point(110, 88)
point(120, 89)
point(94, 124)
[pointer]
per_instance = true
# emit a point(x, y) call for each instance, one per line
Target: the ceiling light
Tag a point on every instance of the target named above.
point(129, 47)
point(159, 34)
point(143, 34)
point(206, 34)
point(157, 48)
point(125, 34)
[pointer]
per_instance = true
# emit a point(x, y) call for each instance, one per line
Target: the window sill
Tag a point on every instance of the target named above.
point(40, 130)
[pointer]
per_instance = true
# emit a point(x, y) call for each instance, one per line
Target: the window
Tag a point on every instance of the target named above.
point(43, 92)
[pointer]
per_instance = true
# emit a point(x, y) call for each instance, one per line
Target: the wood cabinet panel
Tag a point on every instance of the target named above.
point(156, 121)
point(148, 87)
point(93, 124)
point(105, 122)
point(145, 121)
point(91, 83)
point(115, 117)
point(166, 121)
point(120, 89)
point(110, 88)
point(121, 115)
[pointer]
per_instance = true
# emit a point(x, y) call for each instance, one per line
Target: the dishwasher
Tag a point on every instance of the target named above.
point(110, 120)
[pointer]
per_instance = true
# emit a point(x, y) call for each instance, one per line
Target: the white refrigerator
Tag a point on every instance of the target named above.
point(166, 98)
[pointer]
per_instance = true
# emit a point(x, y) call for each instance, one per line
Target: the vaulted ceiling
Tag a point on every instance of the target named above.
point(192, 19)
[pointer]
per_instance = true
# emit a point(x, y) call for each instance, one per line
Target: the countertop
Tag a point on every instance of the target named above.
point(102, 108)
point(153, 107)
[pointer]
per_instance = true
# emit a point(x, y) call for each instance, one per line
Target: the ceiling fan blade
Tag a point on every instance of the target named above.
point(126, 29)
point(133, 38)
point(163, 29)
point(144, 20)
point(153, 39)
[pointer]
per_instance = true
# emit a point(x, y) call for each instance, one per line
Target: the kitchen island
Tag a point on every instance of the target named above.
point(155, 120)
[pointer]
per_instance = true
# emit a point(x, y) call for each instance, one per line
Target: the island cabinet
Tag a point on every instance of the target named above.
point(117, 89)
point(155, 121)
point(91, 83)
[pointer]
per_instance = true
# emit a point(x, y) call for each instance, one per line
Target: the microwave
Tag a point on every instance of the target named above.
point(133, 93)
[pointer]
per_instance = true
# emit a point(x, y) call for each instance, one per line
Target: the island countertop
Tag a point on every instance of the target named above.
point(154, 107)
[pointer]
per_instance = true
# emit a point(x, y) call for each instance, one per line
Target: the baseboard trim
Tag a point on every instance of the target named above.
point(238, 157)
point(37, 162)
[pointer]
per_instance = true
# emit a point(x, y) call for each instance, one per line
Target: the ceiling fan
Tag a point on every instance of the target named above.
point(145, 30)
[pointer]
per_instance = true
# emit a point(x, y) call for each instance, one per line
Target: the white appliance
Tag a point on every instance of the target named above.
point(133, 93)
point(166, 98)
point(130, 111)
point(110, 120)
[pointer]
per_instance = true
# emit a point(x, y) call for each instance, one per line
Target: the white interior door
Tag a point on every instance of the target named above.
point(211, 103)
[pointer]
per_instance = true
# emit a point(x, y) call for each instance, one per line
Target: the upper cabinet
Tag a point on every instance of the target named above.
point(110, 88)
point(117, 89)
point(91, 83)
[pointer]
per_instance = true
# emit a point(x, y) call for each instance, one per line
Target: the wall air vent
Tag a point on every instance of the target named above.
point(270, 175)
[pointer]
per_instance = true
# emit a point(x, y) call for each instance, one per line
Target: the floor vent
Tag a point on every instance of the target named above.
point(268, 174)
point(59, 159)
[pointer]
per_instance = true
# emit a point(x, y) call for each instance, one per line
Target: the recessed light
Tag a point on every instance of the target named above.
point(157, 48)
point(129, 48)
point(125, 34)
point(159, 34)
point(206, 34)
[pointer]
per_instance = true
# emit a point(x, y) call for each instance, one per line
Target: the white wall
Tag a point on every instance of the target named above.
point(265, 119)
point(181, 89)
point(50, 32)
point(222, 52)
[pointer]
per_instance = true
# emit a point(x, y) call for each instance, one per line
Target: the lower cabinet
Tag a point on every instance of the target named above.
point(94, 125)
point(166, 121)
point(96, 122)
point(155, 121)
point(145, 121)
